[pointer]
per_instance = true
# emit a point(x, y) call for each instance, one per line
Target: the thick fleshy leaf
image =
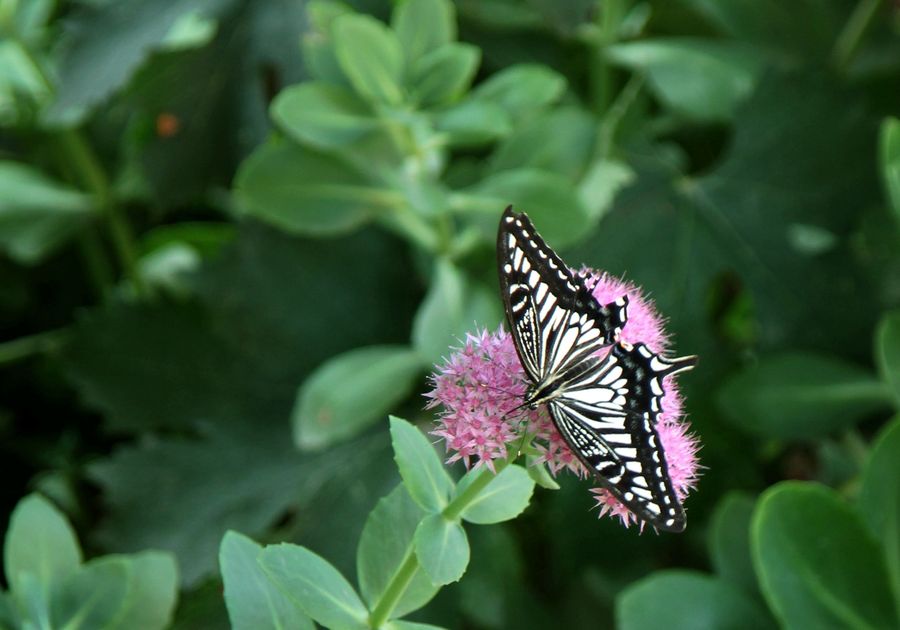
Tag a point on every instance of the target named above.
point(729, 540)
point(384, 545)
point(322, 115)
point(93, 596)
point(682, 600)
point(818, 565)
point(253, 600)
point(442, 548)
point(152, 591)
point(303, 192)
point(504, 498)
point(522, 89)
point(887, 353)
point(473, 123)
point(443, 75)
point(37, 214)
point(703, 79)
point(890, 163)
point(879, 499)
point(454, 306)
point(423, 474)
point(423, 26)
point(371, 56)
point(39, 542)
point(315, 585)
point(801, 396)
point(351, 391)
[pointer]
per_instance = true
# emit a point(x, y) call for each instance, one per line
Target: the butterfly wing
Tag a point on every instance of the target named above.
point(556, 323)
point(608, 417)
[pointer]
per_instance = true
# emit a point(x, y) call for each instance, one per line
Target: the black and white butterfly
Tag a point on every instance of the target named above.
point(604, 396)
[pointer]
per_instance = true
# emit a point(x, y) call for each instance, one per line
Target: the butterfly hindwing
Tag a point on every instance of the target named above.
point(555, 321)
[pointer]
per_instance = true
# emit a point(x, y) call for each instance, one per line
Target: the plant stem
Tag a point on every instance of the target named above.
point(95, 181)
point(851, 35)
point(395, 589)
point(24, 347)
point(462, 501)
point(97, 263)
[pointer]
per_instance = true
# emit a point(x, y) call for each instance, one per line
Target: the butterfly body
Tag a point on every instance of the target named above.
point(603, 395)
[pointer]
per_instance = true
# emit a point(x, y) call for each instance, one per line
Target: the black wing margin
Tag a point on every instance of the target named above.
point(555, 321)
point(608, 418)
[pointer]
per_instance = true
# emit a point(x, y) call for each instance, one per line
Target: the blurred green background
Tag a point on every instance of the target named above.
point(208, 207)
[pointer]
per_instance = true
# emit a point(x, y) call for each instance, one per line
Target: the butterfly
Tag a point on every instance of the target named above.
point(603, 395)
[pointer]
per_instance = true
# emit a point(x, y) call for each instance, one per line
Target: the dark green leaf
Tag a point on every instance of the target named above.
point(442, 548)
point(37, 214)
point(454, 306)
point(443, 75)
point(371, 56)
point(350, 391)
point(879, 499)
point(504, 498)
point(399, 624)
point(702, 79)
point(890, 162)
point(523, 89)
point(801, 395)
point(384, 545)
point(818, 565)
point(253, 600)
point(686, 599)
point(729, 541)
point(887, 352)
point(423, 26)
point(39, 542)
point(322, 115)
point(424, 476)
point(319, 588)
point(549, 199)
point(303, 192)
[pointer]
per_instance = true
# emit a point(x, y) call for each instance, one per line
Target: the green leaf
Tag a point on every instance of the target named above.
point(383, 546)
point(424, 476)
point(399, 624)
point(818, 565)
point(801, 396)
point(522, 89)
point(423, 26)
point(303, 192)
point(39, 542)
point(473, 123)
point(702, 79)
point(879, 499)
point(152, 591)
point(94, 596)
point(887, 352)
point(678, 599)
point(351, 391)
point(371, 56)
point(890, 162)
point(505, 497)
point(729, 540)
point(442, 548)
point(253, 600)
point(321, 115)
point(314, 584)
point(454, 305)
point(550, 200)
point(443, 75)
point(541, 476)
point(104, 44)
point(37, 214)
point(601, 183)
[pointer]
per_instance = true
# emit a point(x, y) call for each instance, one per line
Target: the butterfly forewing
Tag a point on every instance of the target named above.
point(555, 321)
point(606, 406)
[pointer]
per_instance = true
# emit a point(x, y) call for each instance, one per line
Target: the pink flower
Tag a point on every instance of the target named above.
point(481, 386)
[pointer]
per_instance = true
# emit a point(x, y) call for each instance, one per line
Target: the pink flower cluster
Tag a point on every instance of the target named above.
point(480, 389)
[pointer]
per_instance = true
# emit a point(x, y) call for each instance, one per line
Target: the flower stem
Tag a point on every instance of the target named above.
point(25, 347)
point(462, 501)
point(851, 35)
point(395, 589)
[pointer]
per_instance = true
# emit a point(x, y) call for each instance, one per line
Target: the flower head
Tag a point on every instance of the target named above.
point(481, 387)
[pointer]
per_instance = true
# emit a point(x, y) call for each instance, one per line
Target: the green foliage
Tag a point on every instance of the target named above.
point(50, 585)
point(224, 223)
